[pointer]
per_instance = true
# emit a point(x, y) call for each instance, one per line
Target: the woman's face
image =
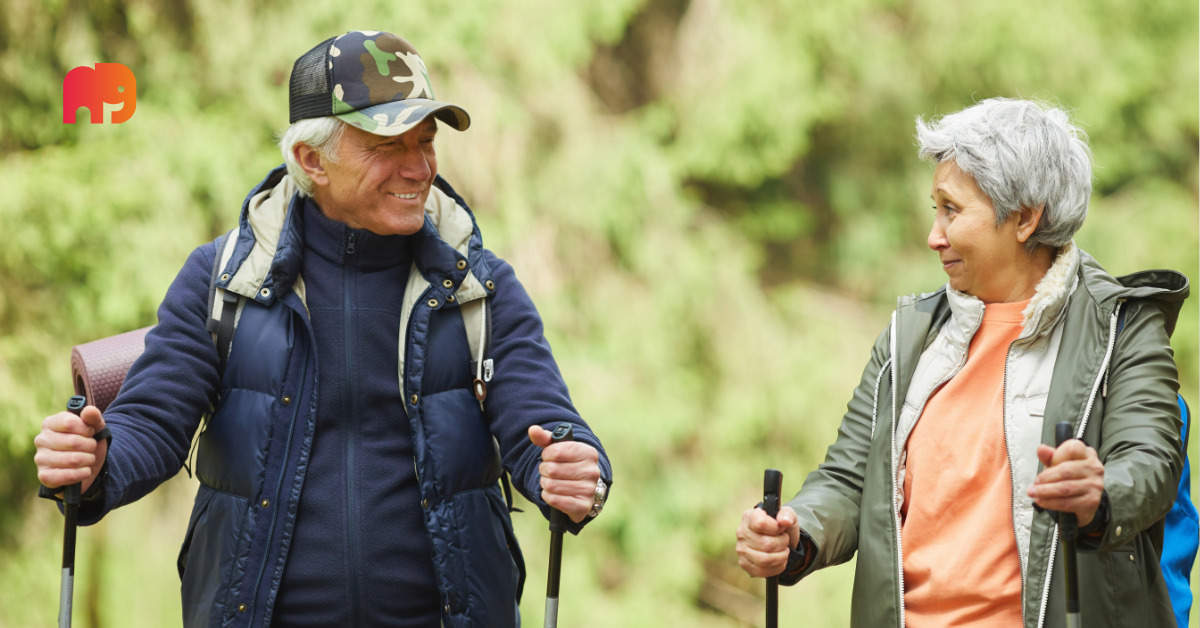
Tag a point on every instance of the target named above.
point(981, 259)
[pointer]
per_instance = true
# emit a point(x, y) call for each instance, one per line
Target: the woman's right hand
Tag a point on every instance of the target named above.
point(764, 543)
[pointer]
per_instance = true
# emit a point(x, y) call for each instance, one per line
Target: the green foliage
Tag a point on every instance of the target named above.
point(714, 205)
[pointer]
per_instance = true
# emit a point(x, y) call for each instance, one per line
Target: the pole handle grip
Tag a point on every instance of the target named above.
point(1062, 433)
point(772, 489)
point(71, 496)
point(1068, 527)
point(563, 433)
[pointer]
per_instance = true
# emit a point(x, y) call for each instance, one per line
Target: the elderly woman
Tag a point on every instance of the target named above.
point(945, 448)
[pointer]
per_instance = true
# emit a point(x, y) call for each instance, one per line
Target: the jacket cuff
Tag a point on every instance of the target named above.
point(799, 560)
point(95, 491)
point(1091, 535)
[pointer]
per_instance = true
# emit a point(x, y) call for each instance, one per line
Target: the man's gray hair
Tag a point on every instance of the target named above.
point(1022, 154)
point(320, 134)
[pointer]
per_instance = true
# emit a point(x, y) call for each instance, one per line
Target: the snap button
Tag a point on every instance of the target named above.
point(266, 503)
point(241, 608)
point(490, 285)
point(432, 303)
point(225, 277)
point(265, 292)
point(413, 399)
point(287, 401)
point(1131, 558)
point(447, 284)
point(462, 264)
point(1118, 531)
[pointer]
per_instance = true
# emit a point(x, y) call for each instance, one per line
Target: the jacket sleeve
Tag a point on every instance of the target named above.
point(166, 391)
point(1140, 443)
point(829, 502)
point(527, 388)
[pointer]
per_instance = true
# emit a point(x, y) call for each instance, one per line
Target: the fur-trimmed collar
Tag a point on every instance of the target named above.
point(1048, 301)
point(1050, 295)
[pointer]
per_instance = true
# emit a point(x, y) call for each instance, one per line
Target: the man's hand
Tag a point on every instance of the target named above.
point(764, 543)
point(1072, 481)
point(569, 473)
point(67, 453)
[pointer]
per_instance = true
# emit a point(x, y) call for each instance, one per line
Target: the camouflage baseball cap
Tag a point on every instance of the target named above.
point(369, 79)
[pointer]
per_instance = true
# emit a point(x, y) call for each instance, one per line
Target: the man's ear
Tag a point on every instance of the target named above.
point(311, 163)
point(1028, 219)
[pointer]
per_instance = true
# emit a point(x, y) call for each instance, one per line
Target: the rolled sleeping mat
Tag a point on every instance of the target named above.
point(98, 368)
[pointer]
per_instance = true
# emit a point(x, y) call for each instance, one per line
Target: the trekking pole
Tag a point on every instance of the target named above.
point(1068, 529)
point(772, 487)
point(558, 525)
point(71, 511)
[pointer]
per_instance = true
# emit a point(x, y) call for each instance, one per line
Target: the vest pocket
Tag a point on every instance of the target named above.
point(207, 558)
point(488, 571)
point(199, 510)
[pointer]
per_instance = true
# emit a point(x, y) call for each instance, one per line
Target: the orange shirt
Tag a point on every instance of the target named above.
point(961, 566)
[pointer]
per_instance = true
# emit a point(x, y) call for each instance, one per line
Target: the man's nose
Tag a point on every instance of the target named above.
point(412, 164)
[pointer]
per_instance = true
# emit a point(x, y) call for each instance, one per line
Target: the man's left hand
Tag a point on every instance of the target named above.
point(569, 471)
point(1072, 481)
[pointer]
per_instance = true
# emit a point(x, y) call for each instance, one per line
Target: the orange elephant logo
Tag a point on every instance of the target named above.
point(108, 90)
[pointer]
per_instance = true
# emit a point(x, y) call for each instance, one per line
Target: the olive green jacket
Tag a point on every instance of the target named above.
point(1118, 390)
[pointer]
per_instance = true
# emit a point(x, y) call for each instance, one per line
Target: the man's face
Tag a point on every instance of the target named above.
point(380, 183)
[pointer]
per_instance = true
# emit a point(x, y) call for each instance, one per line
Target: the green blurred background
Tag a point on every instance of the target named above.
point(714, 204)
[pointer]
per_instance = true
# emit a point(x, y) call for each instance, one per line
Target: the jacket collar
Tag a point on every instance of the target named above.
point(1045, 307)
point(266, 258)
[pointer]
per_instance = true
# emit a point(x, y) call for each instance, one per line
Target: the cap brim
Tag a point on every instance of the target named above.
point(394, 118)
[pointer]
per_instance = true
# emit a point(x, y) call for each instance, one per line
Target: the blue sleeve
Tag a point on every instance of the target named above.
point(167, 390)
point(527, 388)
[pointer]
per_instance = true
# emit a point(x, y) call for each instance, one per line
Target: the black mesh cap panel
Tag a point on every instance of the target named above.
point(310, 94)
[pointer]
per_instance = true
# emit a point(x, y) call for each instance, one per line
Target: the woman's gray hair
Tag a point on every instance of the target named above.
point(1022, 154)
point(321, 134)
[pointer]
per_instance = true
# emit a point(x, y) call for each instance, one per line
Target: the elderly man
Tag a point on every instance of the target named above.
point(386, 373)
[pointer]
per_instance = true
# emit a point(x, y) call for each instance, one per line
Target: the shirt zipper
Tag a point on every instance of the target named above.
point(352, 547)
point(894, 472)
point(1102, 376)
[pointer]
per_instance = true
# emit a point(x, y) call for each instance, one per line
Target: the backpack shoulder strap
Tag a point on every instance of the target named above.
point(1185, 413)
point(477, 323)
point(223, 312)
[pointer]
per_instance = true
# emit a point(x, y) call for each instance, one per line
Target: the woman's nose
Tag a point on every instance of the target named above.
point(937, 236)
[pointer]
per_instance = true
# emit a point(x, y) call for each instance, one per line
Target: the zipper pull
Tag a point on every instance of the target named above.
point(350, 244)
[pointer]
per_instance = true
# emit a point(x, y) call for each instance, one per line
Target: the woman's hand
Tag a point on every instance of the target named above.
point(764, 543)
point(1072, 481)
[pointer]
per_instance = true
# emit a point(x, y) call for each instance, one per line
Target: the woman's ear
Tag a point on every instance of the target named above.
point(311, 163)
point(1028, 219)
